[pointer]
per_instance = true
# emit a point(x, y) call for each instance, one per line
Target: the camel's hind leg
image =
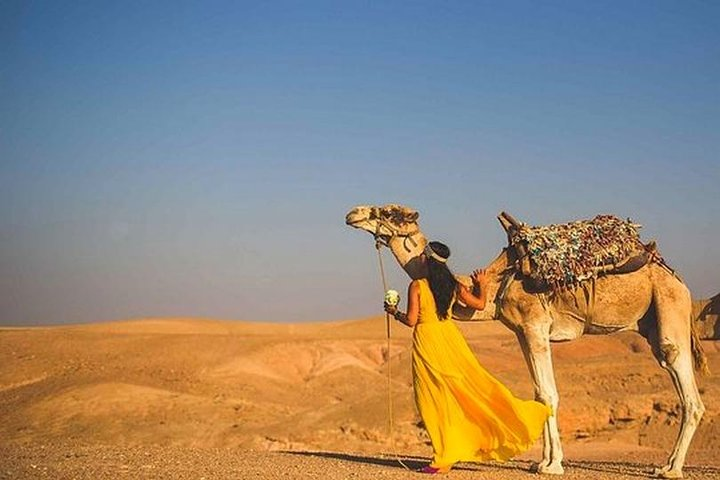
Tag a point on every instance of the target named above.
point(672, 347)
point(535, 343)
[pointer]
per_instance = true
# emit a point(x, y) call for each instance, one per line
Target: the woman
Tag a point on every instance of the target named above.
point(468, 414)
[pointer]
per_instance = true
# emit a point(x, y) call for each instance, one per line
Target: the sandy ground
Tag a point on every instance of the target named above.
point(194, 399)
point(193, 463)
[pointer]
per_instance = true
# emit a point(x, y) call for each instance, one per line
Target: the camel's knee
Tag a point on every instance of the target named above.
point(547, 398)
point(695, 410)
point(668, 354)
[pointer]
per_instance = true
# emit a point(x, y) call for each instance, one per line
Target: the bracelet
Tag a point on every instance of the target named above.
point(399, 316)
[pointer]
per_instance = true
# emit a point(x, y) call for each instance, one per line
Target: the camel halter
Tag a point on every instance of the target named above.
point(378, 246)
point(394, 232)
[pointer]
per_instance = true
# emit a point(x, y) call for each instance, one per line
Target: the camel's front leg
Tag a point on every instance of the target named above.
point(535, 343)
point(681, 373)
point(672, 348)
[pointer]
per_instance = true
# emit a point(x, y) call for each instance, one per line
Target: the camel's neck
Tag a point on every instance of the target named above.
point(407, 252)
point(495, 272)
point(498, 266)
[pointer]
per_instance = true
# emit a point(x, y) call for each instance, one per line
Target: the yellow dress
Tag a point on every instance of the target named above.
point(468, 414)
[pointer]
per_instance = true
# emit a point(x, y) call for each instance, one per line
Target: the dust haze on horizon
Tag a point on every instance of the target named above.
point(198, 159)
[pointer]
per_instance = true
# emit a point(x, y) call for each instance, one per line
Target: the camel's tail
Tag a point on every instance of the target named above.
point(698, 353)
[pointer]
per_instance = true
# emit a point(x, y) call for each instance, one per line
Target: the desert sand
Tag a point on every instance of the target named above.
point(190, 398)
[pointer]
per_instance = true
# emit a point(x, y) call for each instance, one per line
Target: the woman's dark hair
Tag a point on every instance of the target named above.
point(442, 281)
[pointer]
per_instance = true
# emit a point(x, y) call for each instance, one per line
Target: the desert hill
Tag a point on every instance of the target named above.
point(197, 385)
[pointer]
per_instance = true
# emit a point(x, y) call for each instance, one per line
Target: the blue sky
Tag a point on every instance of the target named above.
point(198, 158)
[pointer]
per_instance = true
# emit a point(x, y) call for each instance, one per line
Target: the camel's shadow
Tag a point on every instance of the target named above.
point(409, 462)
point(381, 460)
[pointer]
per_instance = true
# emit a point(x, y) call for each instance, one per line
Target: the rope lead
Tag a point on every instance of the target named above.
point(378, 246)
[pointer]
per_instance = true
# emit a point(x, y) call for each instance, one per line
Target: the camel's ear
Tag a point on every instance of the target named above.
point(508, 222)
point(413, 216)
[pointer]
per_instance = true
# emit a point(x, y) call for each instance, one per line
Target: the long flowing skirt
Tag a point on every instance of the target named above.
point(469, 415)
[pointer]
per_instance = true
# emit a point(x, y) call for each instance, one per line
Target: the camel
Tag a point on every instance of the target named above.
point(651, 300)
point(706, 313)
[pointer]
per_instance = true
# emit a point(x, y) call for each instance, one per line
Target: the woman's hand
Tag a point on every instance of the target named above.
point(477, 297)
point(390, 309)
point(479, 278)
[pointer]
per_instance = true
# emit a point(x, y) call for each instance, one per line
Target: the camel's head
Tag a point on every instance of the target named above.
point(394, 226)
point(384, 222)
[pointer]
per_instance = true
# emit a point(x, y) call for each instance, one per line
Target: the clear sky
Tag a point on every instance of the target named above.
point(177, 158)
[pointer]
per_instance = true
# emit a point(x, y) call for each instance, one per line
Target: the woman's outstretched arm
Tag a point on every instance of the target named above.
point(467, 297)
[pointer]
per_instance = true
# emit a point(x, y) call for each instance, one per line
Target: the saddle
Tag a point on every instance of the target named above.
point(562, 256)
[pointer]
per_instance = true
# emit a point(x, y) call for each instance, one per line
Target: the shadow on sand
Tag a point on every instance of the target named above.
point(628, 469)
point(382, 460)
point(408, 461)
point(644, 470)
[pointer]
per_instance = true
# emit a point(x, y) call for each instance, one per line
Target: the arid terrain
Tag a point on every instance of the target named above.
point(187, 398)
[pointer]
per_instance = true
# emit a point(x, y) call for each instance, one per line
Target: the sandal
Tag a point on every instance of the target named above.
point(433, 470)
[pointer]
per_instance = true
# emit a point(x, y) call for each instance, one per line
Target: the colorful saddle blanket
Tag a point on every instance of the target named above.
point(564, 255)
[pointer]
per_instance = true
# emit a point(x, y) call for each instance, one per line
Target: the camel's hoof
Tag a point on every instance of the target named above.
point(550, 469)
point(667, 472)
